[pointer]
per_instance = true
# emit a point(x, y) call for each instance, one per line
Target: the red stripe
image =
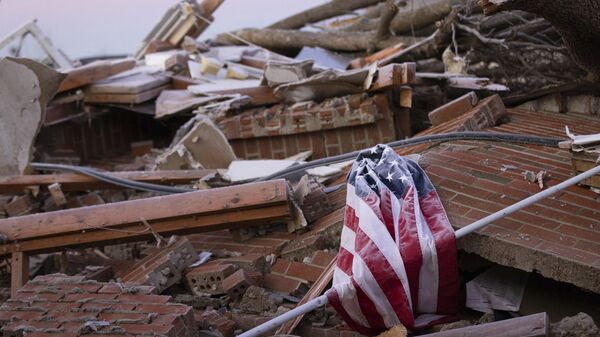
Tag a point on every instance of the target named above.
point(385, 276)
point(445, 243)
point(368, 309)
point(386, 210)
point(350, 219)
point(334, 301)
point(410, 247)
point(344, 261)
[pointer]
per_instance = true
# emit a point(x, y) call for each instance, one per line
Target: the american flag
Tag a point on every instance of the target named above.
point(397, 261)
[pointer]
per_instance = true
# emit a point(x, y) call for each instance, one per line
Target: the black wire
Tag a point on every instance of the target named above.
point(444, 137)
point(137, 185)
point(468, 135)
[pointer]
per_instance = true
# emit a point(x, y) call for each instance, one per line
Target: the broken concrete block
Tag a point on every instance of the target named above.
point(453, 109)
point(208, 278)
point(25, 88)
point(580, 325)
point(204, 146)
point(164, 267)
point(277, 73)
point(57, 194)
point(257, 300)
point(236, 284)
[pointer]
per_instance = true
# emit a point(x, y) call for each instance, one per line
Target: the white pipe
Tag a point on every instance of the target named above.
point(477, 225)
point(288, 316)
point(322, 300)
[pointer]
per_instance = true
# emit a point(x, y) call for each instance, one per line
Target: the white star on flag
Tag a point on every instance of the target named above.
point(390, 177)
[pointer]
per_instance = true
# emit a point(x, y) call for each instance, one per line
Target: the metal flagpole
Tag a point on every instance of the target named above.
point(322, 300)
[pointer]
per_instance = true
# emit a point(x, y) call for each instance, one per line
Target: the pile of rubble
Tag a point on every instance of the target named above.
point(198, 188)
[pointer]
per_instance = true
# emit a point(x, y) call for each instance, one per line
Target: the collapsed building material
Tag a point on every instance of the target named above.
point(582, 162)
point(204, 146)
point(25, 89)
point(181, 20)
point(453, 109)
point(71, 182)
point(208, 278)
point(73, 306)
point(337, 125)
point(228, 207)
point(95, 71)
point(131, 88)
point(528, 326)
point(163, 267)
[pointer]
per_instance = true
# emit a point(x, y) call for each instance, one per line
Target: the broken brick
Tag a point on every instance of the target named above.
point(236, 284)
point(208, 278)
point(164, 267)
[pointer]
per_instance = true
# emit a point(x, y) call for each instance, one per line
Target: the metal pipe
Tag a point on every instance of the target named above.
point(477, 225)
point(288, 316)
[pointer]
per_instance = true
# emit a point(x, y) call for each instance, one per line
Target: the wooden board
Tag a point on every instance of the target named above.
point(95, 71)
point(133, 98)
point(207, 210)
point(583, 162)
point(128, 84)
point(536, 325)
point(71, 182)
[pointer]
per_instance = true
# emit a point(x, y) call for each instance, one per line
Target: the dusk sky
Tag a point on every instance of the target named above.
point(104, 27)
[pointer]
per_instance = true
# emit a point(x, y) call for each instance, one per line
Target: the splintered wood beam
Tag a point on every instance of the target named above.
point(71, 182)
point(95, 71)
point(536, 325)
point(19, 271)
point(194, 212)
point(393, 75)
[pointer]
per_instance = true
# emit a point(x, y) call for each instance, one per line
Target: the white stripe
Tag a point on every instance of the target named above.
point(424, 320)
point(348, 239)
point(365, 280)
point(368, 223)
point(429, 273)
point(347, 296)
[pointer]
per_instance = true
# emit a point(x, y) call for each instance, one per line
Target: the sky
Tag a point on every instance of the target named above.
point(83, 28)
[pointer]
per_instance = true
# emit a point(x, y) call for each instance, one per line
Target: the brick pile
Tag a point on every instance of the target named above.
point(335, 126)
point(162, 268)
point(61, 306)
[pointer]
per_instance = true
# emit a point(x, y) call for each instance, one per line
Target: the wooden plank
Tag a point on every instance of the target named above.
point(376, 57)
point(132, 98)
point(19, 273)
point(207, 210)
point(583, 162)
point(392, 75)
point(95, 71)
point(71, 182)
point(131, 84)
point(536, 325)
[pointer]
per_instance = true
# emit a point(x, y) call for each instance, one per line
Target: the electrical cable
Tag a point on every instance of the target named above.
point(455, 136)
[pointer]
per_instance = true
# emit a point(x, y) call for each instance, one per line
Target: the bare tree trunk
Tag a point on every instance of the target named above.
point(414, 15)
point(294, 39)
point(325, 11)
